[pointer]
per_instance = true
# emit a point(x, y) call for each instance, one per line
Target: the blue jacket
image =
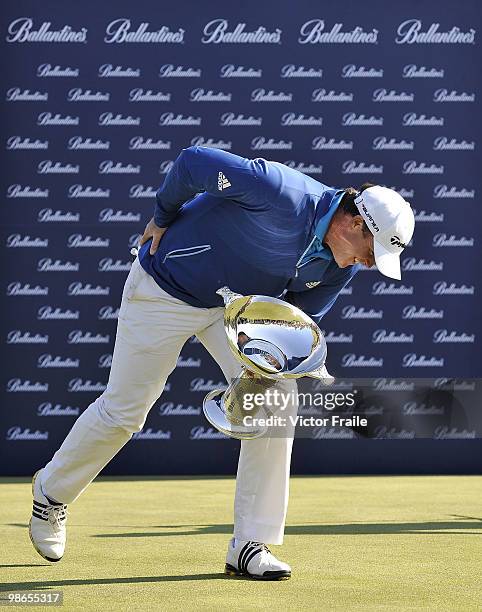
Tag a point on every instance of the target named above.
point(248, 224)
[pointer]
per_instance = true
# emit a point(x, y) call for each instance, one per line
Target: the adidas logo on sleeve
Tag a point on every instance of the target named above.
point(223, 182)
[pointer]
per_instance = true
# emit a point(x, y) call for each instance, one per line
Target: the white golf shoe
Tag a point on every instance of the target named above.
point(254, 560)
point(47, 524)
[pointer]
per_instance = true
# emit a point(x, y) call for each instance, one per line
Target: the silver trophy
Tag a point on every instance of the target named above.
point(272, 340)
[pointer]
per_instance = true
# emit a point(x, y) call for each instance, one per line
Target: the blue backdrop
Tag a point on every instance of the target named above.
point(97, 101)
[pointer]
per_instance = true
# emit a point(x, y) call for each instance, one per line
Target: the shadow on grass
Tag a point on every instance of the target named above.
point(428, 527)
point(55, 584)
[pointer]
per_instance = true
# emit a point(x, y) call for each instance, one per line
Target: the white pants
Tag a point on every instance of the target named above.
point(152, 328)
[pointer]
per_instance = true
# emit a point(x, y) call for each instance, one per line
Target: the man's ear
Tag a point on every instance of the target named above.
point(357, 222)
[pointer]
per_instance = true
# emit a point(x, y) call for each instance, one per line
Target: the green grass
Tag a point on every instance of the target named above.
point(354, 543)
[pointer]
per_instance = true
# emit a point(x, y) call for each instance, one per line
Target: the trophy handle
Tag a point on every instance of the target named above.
point(323, 375)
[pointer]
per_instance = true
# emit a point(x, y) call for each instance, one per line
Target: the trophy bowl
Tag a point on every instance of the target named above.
point(273, 341)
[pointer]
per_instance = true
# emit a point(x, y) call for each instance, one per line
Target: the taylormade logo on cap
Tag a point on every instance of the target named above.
point(391, 221)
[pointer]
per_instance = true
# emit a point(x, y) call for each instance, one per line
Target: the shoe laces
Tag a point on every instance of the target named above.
point(55, 515)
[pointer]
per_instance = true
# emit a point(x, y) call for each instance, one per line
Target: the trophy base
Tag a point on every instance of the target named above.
point(214, 411)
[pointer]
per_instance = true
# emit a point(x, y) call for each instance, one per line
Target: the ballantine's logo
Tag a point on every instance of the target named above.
point(409, 32)
point(404, 192)
point(312, 32)
point(48, 409)
point(15, 94)
point(230, 71)
point(410, 264)
point(352, 167)
point(392, 384)
point(350, 71)
point(261, 95)
point(47, 166)
point(424, 216)
point(352, 312)
point(47, 215)
point(48, 313)
point(75, 241)
point(172, 119)
point(17, 337)
point(119, 31)
point(20, 31)
point(79, 191)
point(17, 191)
point(290, 71)
point(17, 142)
point(260, 142)
point(340, 338)
point(382, 143)
point(452, 433)
point(87, 289)
point(77, 385)
point(148, 144)
point(442, 143)
point(443, 288)
point(443, 191)
point(411, 71)
point(171, 71)
point(412, 360)
point(19, 241)
point(151, 434)
point(323, 95)
point(454, 384)
point(47, 70)
point(107, 313)
point(442, 240)
point(111, 119)
point(216, 32)
point(383, 95)
point(292, 119)
point(57, 119)
point(412, 312)
point(390, 433)
point(17, 288)
point(206, 433)
point(444, 336)
point(141, 191)
point(87, 95)
point(321, 143)
point(77, 336)
point(412, 408)
point(302, 167)
point(110, 167)
point(108, 215)
point(200, 141)
point(16, 385)
point(361, 120)
point(188, 362)
point(48, 361)
point(165, 166)
point(383, 288)
point(49, 265)
point(412, 167)
point(108, 70)
point(171, 409)
point(17, 433)
point(109, 265)
point(443, 95)
point(382, 336)
point(147, 95)
point(360, 361)
point(231, 119)
point(200, 384)
point(78, 143)
point(412, 119)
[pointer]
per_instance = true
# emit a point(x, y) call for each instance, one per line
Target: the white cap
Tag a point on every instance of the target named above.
point(391, 221)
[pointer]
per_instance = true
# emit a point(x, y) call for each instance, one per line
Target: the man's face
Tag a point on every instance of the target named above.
point(351, 245)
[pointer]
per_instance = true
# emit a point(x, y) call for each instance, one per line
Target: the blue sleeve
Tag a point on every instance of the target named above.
point(252, 182)
point(317, 302)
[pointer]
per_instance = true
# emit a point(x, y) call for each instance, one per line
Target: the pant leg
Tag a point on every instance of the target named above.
point(152, 328)
point(262, 481)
